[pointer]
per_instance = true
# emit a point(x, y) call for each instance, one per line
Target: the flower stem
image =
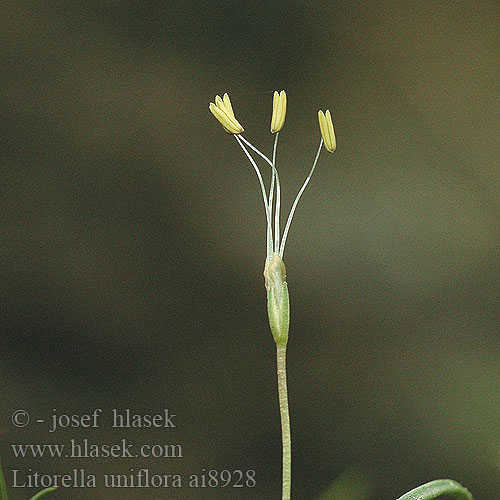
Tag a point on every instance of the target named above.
point(285, 420)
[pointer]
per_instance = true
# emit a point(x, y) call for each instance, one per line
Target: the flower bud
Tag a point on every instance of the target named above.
point(278, 304)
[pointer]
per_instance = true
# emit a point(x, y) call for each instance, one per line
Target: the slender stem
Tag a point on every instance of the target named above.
point(285, 420)
point(299, 194)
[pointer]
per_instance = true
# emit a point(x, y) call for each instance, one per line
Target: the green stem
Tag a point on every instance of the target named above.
point(285, 420)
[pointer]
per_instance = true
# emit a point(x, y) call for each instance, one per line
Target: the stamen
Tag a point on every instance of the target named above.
point(299, 194)
point(278, 187)
point(278, 198)
point(264, 194)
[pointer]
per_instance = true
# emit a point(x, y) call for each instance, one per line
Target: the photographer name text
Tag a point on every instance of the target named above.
point(120, 419)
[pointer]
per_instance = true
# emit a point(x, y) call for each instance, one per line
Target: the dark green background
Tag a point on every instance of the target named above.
point(133, 236)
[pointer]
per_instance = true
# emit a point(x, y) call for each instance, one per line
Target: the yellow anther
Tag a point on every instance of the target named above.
point(327, 132)
point(223, 111)
point(279, 111)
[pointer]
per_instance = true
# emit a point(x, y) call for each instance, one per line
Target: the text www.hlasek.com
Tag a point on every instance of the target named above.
point(85, 449)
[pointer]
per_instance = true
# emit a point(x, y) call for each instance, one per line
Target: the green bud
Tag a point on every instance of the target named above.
point(278, 305)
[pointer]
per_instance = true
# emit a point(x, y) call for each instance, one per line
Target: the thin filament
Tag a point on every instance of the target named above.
point(299, 194)
point(251, 146)
point(278, 197)
point(273, 177)
point(264, 195)
point(278, 189)
point(270, 203)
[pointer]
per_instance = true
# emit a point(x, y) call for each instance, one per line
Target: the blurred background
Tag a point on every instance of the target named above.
point(133, 238)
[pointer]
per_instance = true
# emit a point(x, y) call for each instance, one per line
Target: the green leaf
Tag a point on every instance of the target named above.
point(353, 484)
point(436, 488)
point(40, 493)
point(3, 489)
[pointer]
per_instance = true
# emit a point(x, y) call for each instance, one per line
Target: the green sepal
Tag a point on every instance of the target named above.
point(278, 303)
